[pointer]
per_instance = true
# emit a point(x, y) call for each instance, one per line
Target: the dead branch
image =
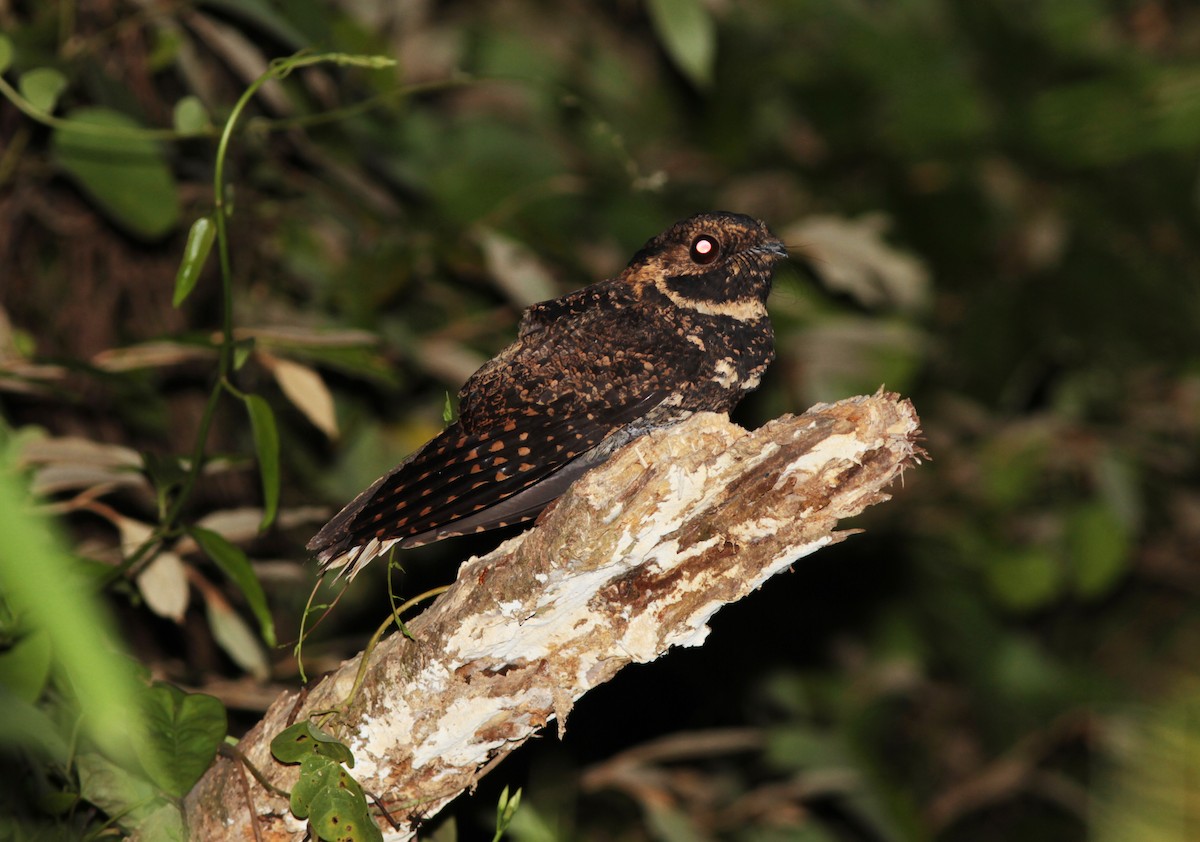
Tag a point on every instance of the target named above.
point(635, 559)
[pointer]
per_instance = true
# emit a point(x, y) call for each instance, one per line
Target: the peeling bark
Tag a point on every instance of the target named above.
point(635, 558)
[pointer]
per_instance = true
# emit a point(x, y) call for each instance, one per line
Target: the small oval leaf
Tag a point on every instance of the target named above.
point(163, 584)
point(42, 86)
point(25, 666)
point(190, 116)
point(242, 349)
point(338, 815)
point(6, 53)
point(1099, 547)
point(165, 825)
point(293, 744)
point(266, 445)
point(306, 390)
point(314, 773)
point(199, 243)
point(687, 33)
point(296, 742)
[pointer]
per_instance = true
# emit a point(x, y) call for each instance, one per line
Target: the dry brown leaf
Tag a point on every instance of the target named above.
point(447, 360)
point(71, 463)
point(307, 336)
point(235, 636)
point(306, 390)
point(151, 355)
point(852, 257)
point(517, 270)
point(163, 584)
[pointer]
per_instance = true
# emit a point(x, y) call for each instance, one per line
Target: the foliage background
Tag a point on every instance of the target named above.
point(999, 200)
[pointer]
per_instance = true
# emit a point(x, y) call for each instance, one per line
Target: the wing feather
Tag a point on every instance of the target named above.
point(536, 408)
point(458, 475)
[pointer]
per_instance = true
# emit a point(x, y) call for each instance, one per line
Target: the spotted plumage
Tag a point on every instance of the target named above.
point(683, 328)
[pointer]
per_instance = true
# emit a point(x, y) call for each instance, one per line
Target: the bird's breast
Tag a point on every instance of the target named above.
point(720, 359)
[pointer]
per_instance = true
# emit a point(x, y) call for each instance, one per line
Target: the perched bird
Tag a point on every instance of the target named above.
point(682, 329)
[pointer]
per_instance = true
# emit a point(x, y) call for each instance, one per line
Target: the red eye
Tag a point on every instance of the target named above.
point(705, 250)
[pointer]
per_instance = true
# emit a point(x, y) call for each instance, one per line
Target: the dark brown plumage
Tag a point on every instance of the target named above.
point(683, 328)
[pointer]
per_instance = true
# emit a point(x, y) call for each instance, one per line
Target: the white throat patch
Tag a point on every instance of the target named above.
point(742, 309)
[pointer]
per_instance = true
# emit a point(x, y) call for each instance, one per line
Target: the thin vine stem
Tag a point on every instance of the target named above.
point(360, 676)
point(168, 526)
point(47, 119)
point(277, 70)
point(225, 357)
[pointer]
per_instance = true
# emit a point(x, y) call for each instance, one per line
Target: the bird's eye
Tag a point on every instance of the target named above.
point(705, 250)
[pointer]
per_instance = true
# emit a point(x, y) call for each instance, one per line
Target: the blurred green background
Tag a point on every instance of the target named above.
point(998, 201)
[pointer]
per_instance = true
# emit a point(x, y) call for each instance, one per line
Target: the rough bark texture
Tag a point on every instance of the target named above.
point(635, 559)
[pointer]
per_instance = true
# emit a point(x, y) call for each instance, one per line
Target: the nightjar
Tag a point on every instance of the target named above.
point(682, 329)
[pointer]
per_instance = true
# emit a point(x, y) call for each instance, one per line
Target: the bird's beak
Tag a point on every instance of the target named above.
point(775, 248)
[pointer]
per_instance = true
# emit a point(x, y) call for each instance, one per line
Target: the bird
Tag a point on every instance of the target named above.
point(682, 329)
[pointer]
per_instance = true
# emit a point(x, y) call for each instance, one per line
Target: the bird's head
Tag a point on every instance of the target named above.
point(714, 263)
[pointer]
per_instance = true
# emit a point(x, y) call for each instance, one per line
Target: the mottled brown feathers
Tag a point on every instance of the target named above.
point(682, 329)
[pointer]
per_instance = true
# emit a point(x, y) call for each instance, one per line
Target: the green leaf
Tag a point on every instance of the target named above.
point(294, 743)
point(1098, 545)
point(304, 739)
point(26, 727)
point(1010, 468)
point(45, 585)
point(448, 411)
point(25, 667)
point(166, 473)
point(1024, 579)
point(115, 790)
point(42, 86)
point(199, 243)
point(236, 566)
point(447, 831)
point(185, 730)
point(163, 825)
point(58, 803)
point(6, 53)
point(266, 445)
point(1021, 672)
point(331, 799)
point(506, 808)
point(314, 770)
point(126, 175)
point(190, 116)
point(805, 747)
point(242, 349)
point(165, 49)
point(689, 36)
point(338, 815)
point(665, 819)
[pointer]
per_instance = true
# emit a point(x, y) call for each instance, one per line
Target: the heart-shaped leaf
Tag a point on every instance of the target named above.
point(185, 730)
point(126, 175)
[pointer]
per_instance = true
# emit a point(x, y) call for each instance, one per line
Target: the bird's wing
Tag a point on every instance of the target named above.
point(537, 407)
point(547, 313)
point(460, 476)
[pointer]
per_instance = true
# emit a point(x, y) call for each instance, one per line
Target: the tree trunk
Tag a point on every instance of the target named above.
point(635, 558)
